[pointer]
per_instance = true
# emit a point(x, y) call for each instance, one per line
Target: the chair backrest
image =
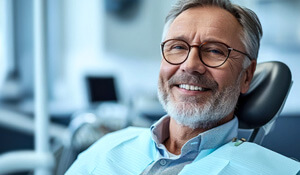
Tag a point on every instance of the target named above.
point(262, 104)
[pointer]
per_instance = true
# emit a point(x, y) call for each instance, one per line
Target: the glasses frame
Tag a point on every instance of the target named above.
point(199, 49)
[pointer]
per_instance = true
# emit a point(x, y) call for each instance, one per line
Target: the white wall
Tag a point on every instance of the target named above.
point(97, 43)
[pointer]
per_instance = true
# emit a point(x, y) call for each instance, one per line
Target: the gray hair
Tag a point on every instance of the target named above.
point(252, 30)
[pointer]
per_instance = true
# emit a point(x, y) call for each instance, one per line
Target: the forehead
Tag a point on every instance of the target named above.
point(200, 24)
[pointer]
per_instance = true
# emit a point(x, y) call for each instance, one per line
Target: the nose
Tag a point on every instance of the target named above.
point(193, 64)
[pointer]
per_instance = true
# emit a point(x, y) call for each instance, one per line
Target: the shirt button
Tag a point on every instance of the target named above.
point(163, 162)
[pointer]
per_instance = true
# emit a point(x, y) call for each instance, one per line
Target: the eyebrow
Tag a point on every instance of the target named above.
point(182, 37)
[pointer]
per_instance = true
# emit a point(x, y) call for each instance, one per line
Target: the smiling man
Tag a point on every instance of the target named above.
point(209, 52)
point(201, 77)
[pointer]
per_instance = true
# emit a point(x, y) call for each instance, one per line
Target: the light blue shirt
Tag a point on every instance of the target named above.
point(211, 139)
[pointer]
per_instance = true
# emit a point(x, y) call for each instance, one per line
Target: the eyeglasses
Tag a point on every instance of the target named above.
point(211, 54)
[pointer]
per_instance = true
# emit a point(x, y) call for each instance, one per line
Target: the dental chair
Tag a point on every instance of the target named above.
point(258, 109)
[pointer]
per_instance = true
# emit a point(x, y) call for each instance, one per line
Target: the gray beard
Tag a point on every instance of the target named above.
point(190, 113)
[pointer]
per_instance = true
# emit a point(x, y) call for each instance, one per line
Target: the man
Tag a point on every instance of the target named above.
point(209, 52)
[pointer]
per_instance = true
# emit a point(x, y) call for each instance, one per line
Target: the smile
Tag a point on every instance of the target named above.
point(192, 87)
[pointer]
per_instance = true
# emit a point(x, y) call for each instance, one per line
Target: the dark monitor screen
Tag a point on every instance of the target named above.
point(101, 89)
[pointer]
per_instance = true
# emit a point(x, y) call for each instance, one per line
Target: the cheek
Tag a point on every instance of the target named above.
point(224, 78)
point(167, 71)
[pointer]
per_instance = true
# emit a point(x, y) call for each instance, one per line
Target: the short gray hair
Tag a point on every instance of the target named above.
point(252, 30)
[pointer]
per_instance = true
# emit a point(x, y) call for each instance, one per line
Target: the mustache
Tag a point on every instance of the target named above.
point(193, 79)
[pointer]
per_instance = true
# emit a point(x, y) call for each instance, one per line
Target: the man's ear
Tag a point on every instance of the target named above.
point(247, 77)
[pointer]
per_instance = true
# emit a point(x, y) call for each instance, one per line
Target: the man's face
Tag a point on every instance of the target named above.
point(217, 89)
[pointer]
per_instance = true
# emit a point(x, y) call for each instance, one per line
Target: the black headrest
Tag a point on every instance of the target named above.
point(268, 91)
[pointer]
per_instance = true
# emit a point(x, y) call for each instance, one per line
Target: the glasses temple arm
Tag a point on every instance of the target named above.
point(241, 53)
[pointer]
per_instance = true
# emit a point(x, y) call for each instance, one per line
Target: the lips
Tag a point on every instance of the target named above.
point(192, 82)
point(192, 87)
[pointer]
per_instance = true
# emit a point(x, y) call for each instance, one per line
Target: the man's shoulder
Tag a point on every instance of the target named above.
point(249, 150)
point(246, 158)
point(246, 148)
point(115, 138)
point(257, 157)
point(89, 160)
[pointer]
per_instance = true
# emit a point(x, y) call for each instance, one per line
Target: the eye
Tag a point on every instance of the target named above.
point(216, 51)
point(179, 47)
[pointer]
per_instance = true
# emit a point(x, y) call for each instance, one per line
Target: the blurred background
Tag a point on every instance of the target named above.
point(103, 59)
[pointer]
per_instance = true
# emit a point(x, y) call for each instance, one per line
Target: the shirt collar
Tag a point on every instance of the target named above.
point(209, 139)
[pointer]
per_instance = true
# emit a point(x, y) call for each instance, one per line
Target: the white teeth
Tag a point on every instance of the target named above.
point(191, 87)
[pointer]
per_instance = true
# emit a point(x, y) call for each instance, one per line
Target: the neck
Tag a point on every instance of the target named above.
point(180, 134)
